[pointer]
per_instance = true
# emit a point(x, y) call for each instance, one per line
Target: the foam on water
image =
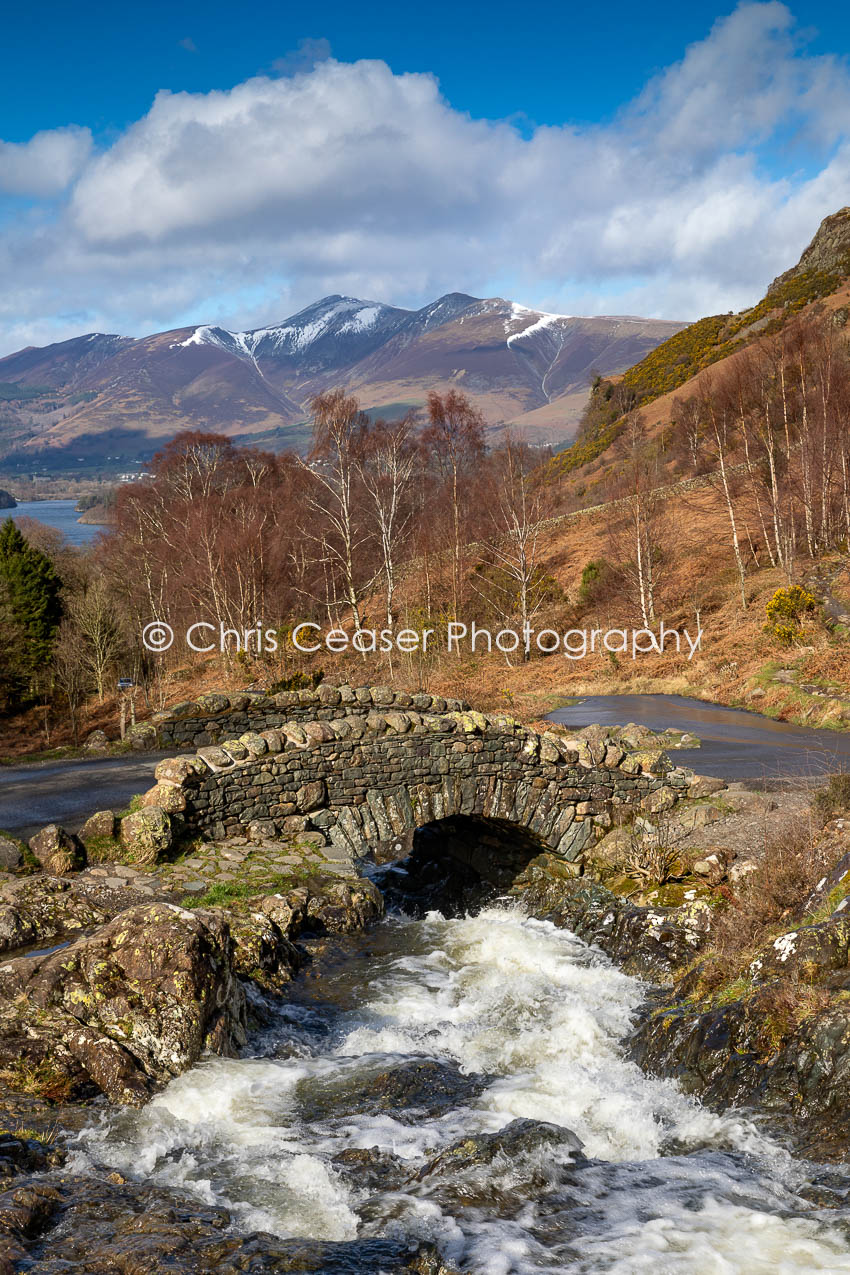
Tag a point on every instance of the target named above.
point(542, 1014)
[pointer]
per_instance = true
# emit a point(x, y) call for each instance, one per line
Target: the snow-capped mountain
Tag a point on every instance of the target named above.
point(333, 329)
point(116, 395)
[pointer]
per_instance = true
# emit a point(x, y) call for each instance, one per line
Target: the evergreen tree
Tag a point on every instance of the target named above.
point(30, 605)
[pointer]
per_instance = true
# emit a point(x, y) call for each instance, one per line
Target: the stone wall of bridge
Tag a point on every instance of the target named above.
point(367, 781)
point(222, 715)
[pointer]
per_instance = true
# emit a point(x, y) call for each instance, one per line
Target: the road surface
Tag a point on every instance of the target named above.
point(67, 792)
point(736, 744)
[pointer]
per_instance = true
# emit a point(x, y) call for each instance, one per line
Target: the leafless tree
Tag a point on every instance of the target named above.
point(516, 514)
point(339, 430)
point(70, 671)
point(386, 467)
point(93, 613)
point(718, 414)
point(636, 518)
point(455, 436)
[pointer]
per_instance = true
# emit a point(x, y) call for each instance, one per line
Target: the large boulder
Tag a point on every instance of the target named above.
point(810, 954)
point(410, 1090)
point(98, 827)
point(261, 951)
point(57, 851)
point(142, 736)
point(92, 1222)
point(343, 907)
point(39, 908)
point(167, 796)
point(134, 1004)
point(520, 1139)
point(705, 786)
point(146, 834)
point(650, 942)
point(11, 854)
point(326, 906)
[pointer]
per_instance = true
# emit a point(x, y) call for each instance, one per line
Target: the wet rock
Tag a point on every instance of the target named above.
point(521, 1139)
point(57, 851)
point(372, 1169)
point(129, 1228)
point(146, 834)
point(651, 942)
point(261, 951)
point(11, 854)
point(791, 1061)
point(411, 1090)
point(133, 1005)
point(21, 1154)
point(40, 908)
point(25, 1213)
point(102, 824)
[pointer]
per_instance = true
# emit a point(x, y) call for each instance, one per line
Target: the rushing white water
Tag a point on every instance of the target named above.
point(671, 1188)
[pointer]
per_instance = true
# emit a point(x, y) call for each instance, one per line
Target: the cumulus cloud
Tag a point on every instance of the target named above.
point(303, 58)
point(46, 164)
point(236, 206)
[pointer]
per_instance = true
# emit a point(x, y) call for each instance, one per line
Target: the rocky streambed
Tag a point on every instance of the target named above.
point(294, 1081)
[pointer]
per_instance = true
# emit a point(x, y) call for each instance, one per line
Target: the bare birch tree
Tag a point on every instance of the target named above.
point(386, 468)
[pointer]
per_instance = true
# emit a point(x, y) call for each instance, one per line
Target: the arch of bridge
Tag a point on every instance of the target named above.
point(368, 782)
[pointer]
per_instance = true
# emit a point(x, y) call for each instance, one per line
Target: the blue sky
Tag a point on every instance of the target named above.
point(101, 64)
point(162, 165)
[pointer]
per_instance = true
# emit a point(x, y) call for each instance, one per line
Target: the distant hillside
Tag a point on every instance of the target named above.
point(821, 270)
point(110, 401)
point(821, 275)
point(7, 500)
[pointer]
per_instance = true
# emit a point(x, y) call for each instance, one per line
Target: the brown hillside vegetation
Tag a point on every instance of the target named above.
point(737, 662)
point(724, 506)
point(818, 287)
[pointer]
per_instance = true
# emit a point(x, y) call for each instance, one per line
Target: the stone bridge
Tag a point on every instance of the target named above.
point(368, 781)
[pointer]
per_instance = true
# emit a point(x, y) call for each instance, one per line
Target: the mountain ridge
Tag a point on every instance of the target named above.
point(103, 395)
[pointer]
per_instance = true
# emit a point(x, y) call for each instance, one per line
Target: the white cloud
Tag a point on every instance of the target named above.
point(238, 206)
point(46, 164)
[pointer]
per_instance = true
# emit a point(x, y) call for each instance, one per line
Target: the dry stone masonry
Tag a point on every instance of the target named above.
point(224, 715)
point(379, 764)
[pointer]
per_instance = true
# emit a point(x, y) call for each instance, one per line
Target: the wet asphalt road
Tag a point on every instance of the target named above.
point(736, 744)
point(67, 792)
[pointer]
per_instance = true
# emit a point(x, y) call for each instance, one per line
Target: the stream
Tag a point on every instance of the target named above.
point(427, 1031)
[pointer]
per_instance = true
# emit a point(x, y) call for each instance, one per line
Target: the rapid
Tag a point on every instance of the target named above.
point(528, 1023)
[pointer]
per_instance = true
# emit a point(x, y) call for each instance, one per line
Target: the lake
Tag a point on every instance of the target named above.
point(61, 514)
